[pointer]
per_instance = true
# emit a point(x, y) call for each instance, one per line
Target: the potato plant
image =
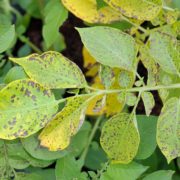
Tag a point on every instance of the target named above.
point(117, 117)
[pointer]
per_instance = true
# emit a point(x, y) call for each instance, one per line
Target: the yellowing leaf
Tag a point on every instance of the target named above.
point(138, 9)
point(168, 129)
point(57, 134)
point(87, 10)
point(25, 108)
point(120, 138)
point(149, 102)
point(52, 70)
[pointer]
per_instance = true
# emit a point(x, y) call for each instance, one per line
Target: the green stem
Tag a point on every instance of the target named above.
point(28, 42)
point(134, 24)
point(93, 132)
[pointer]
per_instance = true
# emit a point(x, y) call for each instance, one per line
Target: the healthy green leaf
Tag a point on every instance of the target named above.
point(123, 171)
point(68, 168)
point(138, 9)
point(57, 134)
point(147, 131)
point(120, 138)
point(25, 108)
point(168, 129)
point(7, 33)
point(55, 14)
point(160, 175)
point(52, 70)
point(110, 46)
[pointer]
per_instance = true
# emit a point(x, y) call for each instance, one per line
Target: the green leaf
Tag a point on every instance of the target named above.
point(164, 50)
point(106, 74)
point(79, 141)
point(7, 33)
point(25, 108)
point(138, 9)
point(68, 168)
point(123, 172)
point(32, 146)
point(57, 134)
point(120, 138)
point(147, 131)
point(52, 70)
point(110, 46)
point(95, 157)
point(160, 175)
point(15, 73)
point(55, 14)
point(168, 129)
point(148, 101)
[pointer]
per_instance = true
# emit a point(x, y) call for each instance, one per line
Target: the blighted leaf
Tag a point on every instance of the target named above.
point(168, 129)
point(53, 9)
point(130, 171)
point(88, 11)
point(126, 79)
point(57, 134)
point(131, 99)
point(160, 175)
point(164, 50)
point(148, 101)
point(147, 131)
point(106, 74)
point(138, 9)
point(52, 70)
point(110, 46)
point(120, 138)
point(32, 146)
point(25, 108)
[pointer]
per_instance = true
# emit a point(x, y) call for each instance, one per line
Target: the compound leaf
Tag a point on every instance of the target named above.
point(110, 46)
point(120, 138)
point(25, 107)
point(52, 70)
point(168, 129)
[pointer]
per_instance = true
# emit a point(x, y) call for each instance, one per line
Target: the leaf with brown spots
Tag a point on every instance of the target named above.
point(52, 70)
point(120, 138)
point(25, 108)
point(57, 134)
point(138, 9)
point(168, 129)
point(88, 11)
point(148, 101)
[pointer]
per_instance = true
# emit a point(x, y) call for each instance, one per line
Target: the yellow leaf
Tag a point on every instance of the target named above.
point(57, 134)
point(87, 10)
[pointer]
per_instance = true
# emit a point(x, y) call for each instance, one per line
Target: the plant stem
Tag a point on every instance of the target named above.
point(93, 132)
point(28, 42)
point(136, 25)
